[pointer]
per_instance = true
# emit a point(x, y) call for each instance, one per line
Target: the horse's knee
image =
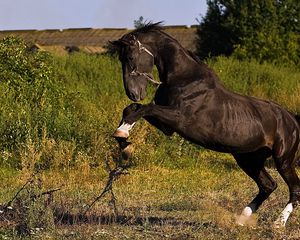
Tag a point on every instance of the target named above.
point(265, 191)
point(267, 184)
point(132, 108)
point(272, 187)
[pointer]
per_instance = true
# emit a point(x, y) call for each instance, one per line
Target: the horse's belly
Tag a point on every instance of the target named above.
point(226, 137)
point(229, 124)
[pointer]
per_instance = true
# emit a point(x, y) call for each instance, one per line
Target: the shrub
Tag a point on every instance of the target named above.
point(31, 97)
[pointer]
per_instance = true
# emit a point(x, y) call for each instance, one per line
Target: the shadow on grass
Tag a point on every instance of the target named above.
point(62, 217)
point(65, 218)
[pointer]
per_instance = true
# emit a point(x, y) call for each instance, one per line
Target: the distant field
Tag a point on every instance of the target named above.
point(175, 190)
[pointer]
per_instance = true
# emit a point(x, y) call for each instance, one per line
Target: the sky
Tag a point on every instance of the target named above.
point(62, 14)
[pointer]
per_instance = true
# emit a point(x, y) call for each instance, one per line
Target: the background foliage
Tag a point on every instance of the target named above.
point(264, 30)
point(30, 95)
point(58, 110)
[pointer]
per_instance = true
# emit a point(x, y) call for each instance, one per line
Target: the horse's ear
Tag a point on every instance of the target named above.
point(115, 43)
point(129, 40)
point(119, 43)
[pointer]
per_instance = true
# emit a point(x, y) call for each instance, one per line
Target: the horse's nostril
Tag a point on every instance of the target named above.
point(134, 96)
point(142, 94)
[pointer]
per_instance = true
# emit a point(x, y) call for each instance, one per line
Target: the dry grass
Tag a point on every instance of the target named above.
point(160, 203)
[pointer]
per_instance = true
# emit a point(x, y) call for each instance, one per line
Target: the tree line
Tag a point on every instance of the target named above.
point(265, 30)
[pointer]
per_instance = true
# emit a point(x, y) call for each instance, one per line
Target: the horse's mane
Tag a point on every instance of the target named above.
point(153, 27)
point(194, 56)
point(149, 27)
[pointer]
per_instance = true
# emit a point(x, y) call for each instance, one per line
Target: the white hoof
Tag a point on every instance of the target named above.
point(283, 217)
point(278, 224)
point(246, 218)
point(123, 130)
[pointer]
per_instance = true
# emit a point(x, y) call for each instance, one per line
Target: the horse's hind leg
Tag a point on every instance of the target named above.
point(253, 166)
point(286, 168)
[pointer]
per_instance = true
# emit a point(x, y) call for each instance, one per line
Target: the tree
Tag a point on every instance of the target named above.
point(139, 23)
point(266, 30)
point(215, 36)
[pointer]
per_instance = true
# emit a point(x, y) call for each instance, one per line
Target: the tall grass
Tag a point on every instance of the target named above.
point(267, 81)
point(85, 103)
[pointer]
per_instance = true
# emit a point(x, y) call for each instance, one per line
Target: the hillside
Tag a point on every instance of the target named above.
point(91, 40)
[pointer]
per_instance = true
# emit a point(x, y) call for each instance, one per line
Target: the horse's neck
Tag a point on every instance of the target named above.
point(178, 67)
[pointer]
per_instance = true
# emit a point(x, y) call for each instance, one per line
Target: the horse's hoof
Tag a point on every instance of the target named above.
point(242, 220)
point(248, 221)
point(119, 133)
point(278, 225)
point(127, 151)
point(123, 130)
point(246, 218)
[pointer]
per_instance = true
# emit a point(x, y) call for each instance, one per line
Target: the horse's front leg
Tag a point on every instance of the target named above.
point(165, 114)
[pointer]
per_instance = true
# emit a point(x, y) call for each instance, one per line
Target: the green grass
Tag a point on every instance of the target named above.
point(84, 106)
point(267, 81)
point(192, 192)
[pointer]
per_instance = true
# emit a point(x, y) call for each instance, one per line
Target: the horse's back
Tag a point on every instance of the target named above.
point(231, 122)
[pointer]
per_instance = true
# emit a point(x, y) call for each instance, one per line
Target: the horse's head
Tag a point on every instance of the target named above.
point(137, 63)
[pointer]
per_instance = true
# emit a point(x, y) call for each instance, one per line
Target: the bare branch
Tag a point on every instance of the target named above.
point(114, 174)
point(8, 204)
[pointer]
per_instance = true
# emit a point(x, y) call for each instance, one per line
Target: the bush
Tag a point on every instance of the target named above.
point(66, 101)
point(31, 97)
point(25, 79)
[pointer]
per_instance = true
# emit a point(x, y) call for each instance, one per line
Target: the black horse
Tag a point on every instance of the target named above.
point(191, 101)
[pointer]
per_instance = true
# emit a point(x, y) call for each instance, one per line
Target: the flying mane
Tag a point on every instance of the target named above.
point(149, 27)
point(158, 27)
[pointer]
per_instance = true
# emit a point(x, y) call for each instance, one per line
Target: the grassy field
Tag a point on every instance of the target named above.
point(174, 190)
point(154, 202)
